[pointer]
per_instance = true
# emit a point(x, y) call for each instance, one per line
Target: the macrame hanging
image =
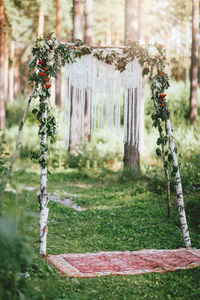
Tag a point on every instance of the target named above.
point(93, 97)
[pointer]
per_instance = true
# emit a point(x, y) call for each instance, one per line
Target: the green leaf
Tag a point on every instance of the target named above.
point(166, 152)
point(159, 141)
point(145, 71)
point(34, 111)
point(158, 152)
point(170, 157)
point(166, 164)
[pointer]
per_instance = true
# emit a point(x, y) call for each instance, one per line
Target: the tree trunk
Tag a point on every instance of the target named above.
point(180, 60)
point(18, 143)
point(179, 190)
point(141, 39)
point(43, 197)
point(131, 152)
point(17, 81)
point(40, 25)
point(131, 20)
point(6, 67)
point(187, 50)
point(77, 20)
point(77, 34)
point(194, 62)
point(58, 34)
point(11, 71)
point(88, 21)
point(141, 21)
point(2, 67)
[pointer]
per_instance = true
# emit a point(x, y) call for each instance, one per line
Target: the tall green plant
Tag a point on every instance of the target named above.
point(3, 160)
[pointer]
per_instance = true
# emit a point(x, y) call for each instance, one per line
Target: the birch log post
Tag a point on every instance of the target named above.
point(167, 180)
point(165, 169)
point(18, 142)
point(43, 197)
point(179, 190)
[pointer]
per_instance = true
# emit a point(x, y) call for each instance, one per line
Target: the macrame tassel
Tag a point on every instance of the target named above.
point(125, 114)
point(74, 114)
point(82, 104)
point(112, 109)
point(91, 80)
point(88, 110)
point(68, 113)
point(133, 117)
point(65, 108)
point(117, 112)
point(102, 109)
point(129, 115)
point(138, 116)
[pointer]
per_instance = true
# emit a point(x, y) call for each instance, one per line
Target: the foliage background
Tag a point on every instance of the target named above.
point(121, 206)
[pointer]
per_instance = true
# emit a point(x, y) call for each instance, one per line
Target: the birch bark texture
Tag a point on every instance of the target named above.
point(179, 190)
point(18, 142)
point(43, 197)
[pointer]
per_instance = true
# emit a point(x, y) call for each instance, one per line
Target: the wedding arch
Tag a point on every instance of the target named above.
point(99, 76)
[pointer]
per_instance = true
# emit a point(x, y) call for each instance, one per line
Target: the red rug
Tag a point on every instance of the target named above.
point(125, 263)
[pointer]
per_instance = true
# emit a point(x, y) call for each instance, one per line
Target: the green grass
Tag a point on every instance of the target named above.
point(123, 214)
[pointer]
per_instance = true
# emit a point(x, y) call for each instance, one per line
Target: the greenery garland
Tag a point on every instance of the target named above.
point(49, 54)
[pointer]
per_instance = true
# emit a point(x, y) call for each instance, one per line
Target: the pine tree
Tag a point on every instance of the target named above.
point(194, 62)
point(88, 21)
point(131, 152)
point(3, 44)
point(77, 19)
point(58, 34)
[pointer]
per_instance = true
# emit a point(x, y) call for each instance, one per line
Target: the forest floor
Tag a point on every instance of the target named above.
point(122, 214)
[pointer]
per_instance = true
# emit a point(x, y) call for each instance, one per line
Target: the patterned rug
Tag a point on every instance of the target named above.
point(125, 262)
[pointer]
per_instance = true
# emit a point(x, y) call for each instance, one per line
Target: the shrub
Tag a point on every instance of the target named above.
point(15, 257)
point(3, 160)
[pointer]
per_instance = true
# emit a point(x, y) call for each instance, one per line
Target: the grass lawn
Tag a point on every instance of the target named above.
point(122, 215)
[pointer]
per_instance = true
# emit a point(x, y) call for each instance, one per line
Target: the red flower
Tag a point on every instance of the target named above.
point(159, 46)
point(47, 86)
point(46, 79)
point(163, 95)
point(43, 74)
point(162, 104)
point(46, 69)
point(41, 62)
point(160, 99)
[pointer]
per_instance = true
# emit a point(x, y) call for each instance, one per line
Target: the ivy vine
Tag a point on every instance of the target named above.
point(49, 54)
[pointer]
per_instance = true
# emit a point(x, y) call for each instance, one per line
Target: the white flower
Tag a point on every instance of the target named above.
point(153, 51)
point(51, 55)
point(27, 275)
point(56, 42)
point(41, 44)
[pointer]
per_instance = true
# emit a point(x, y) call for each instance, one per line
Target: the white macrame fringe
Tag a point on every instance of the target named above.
point(99, 86)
